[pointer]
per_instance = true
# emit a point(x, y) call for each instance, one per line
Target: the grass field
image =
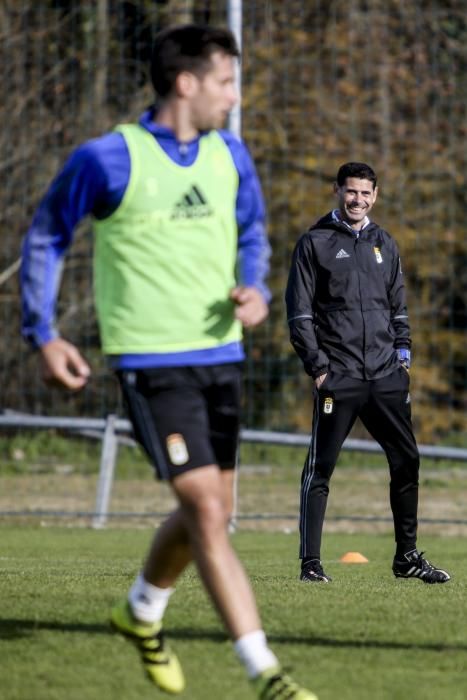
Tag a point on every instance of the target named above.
point(366, 636)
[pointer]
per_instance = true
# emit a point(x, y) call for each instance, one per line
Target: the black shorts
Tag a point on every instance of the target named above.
point(185, 417)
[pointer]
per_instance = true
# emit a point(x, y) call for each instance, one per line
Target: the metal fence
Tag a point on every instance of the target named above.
point(98, 483)
point(324, 81)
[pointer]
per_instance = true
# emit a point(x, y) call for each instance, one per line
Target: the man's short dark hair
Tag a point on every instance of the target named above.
point(187, 48)
point(360, 170)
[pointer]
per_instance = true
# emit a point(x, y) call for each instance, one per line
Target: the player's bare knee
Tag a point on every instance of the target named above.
point(207, 515)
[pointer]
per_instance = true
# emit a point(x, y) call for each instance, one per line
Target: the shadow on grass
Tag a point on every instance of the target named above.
point(14, 629)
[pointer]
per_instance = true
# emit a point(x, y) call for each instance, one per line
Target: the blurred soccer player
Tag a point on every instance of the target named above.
point(176, 204)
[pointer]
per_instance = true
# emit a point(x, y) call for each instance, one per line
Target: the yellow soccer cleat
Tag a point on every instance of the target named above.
point(274, 684)
point(159, 661)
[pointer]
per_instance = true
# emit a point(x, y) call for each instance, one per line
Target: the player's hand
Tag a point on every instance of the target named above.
point(62, 365)
point(251, 308)
point(319, 380)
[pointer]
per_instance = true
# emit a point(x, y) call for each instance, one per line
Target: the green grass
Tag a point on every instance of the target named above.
point(44, 451)
point(47, 451)
point(53, 477)
point(366, 636)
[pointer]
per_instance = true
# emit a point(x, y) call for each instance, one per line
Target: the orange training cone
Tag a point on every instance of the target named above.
point(354, 558)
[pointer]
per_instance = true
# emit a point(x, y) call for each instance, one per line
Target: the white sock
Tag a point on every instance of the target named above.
point(254, 653)
point(148, 602)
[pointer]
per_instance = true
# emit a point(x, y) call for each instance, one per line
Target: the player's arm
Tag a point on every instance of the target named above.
point(398, 306)
point(71, 196)
point(299, 298)
point(252, 295)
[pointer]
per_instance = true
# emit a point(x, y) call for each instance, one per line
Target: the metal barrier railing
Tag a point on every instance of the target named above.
point(111, 429)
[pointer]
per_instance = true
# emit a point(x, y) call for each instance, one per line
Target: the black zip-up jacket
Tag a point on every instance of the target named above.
point(345, 298)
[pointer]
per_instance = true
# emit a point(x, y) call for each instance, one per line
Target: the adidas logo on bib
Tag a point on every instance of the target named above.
point(192, 205)
point(342, 254)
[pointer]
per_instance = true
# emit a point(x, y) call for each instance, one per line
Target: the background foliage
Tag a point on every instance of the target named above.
point(324, 81)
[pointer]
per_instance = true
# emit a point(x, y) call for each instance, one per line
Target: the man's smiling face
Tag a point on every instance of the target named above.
point(356, 198)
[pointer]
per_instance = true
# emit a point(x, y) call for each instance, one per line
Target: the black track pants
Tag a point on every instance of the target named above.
point(383, 405)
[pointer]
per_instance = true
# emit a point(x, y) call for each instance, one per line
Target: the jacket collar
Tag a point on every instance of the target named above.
point(337, 217)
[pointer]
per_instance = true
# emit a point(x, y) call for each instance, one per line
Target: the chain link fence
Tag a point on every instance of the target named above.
point(324, 81)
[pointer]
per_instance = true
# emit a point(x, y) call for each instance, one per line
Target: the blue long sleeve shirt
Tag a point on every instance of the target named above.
point(93, 182)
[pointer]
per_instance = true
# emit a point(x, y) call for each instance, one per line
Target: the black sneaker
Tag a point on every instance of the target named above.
point(312, 572)
point(415, 566)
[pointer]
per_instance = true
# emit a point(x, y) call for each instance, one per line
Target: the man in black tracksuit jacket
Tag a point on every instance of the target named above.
point(348, 322)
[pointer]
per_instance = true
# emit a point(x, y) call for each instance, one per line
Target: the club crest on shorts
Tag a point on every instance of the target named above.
point(328, 404)
point(177, 449)
point(378, 256)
